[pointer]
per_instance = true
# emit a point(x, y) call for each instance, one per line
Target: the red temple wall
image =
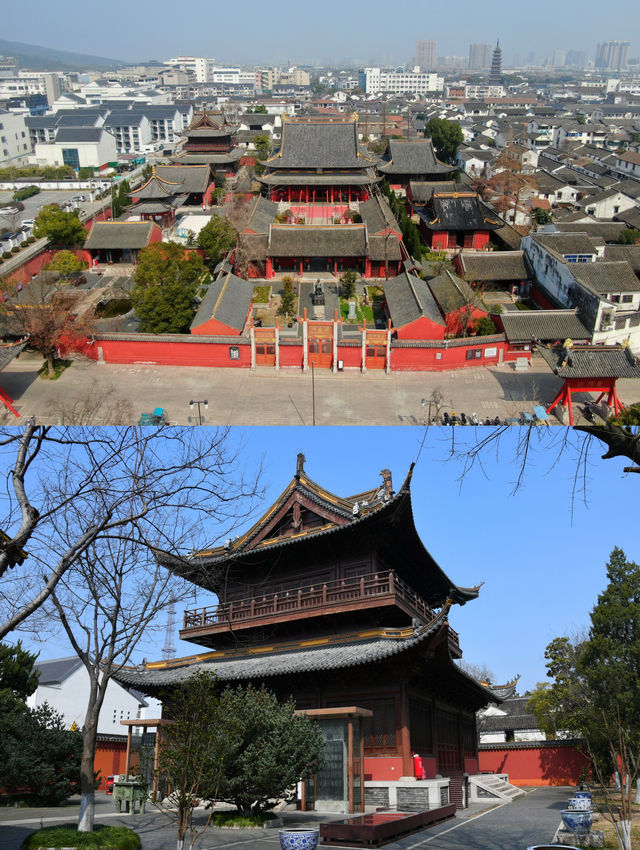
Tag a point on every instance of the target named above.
point(381, 768)
point(422, 328)
point(419, 359)
point(166, 353)
point(109, 760)
point(536, 765)
point(351, 357)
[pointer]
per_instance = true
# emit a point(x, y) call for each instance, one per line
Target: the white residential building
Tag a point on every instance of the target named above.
point(64, 684)
point(15, 142)
point(376, 80)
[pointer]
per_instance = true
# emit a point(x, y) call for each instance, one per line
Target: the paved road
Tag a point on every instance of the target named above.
point(514, 826)
point(92, 394)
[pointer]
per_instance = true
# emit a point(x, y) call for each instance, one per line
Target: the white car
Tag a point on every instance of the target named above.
point(28, 223)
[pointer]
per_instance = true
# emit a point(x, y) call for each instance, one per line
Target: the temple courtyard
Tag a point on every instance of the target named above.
point(532, 819)
point(108, 394)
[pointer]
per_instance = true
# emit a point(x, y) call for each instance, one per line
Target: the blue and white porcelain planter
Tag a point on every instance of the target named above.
point(582, 794)
point(577, 821)
point(582, 804)
point(299, 838)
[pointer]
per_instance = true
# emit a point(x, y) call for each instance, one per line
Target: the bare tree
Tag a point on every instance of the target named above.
point(111, 500)
point(70, 487)
point(106, 602)
point(479, 671)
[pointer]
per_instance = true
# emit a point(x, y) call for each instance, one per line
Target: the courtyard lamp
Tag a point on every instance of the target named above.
point(204, 404)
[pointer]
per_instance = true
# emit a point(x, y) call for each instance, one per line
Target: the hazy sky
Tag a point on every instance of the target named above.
point(305, 32)
point(543, 568)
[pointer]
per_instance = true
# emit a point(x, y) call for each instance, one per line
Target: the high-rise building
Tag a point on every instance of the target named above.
point(479, 57)
point(495, 76)
point(559, 58)
point(612, 55)
point(426, 55)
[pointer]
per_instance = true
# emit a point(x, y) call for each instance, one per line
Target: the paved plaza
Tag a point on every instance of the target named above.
point(91, 394)
point(532, 819)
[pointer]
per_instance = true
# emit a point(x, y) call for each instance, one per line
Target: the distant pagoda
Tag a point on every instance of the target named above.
point(495, 76)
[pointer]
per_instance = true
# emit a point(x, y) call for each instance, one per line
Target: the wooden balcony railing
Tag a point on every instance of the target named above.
point(330, 594)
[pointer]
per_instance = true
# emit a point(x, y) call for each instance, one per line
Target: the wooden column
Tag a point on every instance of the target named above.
point(156, 760)
point(126, 758)
point(405, 738)
point(350, 762)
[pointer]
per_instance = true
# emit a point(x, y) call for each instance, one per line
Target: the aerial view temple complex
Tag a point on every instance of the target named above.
point(336, 602)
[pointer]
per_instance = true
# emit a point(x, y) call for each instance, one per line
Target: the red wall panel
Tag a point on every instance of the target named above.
point(536, 765)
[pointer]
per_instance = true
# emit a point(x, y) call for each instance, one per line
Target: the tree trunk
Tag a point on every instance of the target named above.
point(50, 369)
point(87, 783)
point(637, 797)
point(623, 828)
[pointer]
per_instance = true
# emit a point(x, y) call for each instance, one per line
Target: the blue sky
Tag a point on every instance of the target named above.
point(541, 554)
point(333, 30)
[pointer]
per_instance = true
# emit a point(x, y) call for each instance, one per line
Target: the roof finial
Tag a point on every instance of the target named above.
point(386, 479)
point(300, 460)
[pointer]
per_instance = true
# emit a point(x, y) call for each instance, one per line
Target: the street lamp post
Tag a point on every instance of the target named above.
point(204, 403)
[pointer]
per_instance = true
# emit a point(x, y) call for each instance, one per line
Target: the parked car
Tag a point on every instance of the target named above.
point(79, 198)
point(28, 223)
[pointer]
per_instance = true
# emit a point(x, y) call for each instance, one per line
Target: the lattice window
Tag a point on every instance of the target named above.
point(447, 741)
point(421, 726)
point(380, 730)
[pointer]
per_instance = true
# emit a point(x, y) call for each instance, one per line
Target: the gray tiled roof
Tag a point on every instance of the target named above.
point(193, 178)
point(264, 665)
point(494, 265)
point(422, 191)
point(630, 253)
point(458, 213)
point(608, 230)
point(565, 243)
point(262, 215)
point(413, 157)
point(384, 247)
point(311, 178)
point(119, 235)
point(607, 276)
point(8, 351)
point(227, 300)
point(300, 241)
point(409, 298)
point(516, 718)
point(452, 292)
point(376, 214)
point(78, 134)
point(57, 670)
point(591, 362)
point(319, 145)
point(546, 325)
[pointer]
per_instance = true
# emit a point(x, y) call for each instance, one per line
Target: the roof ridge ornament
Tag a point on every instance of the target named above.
point(300, 461)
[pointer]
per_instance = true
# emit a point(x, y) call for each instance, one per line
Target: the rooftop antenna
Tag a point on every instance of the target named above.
point(169, 648)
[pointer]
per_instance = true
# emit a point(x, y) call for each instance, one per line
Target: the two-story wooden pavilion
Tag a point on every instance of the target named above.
point(336, 601)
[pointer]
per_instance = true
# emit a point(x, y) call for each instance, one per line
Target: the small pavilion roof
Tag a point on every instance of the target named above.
point(227, 300)
point(157, 187)
point(116, 235)
point(591, 361)
point(458, 211)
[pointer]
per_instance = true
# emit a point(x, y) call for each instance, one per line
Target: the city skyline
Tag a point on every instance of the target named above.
point(338, 36)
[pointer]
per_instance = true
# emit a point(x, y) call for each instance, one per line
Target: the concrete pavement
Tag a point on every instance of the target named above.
point(92, 394)
point(532, 819)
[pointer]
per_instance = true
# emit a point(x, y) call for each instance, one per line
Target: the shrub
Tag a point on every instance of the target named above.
point(31, 240)
point(27, 192)
point(6, 255)
point(67, 835)
point(24, 243)
point(15, 249)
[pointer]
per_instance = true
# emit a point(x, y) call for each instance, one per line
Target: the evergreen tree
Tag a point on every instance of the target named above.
point(167, 280)
point(446, 136)
point(17, 672)
point(217, 238)
point(61, 228)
